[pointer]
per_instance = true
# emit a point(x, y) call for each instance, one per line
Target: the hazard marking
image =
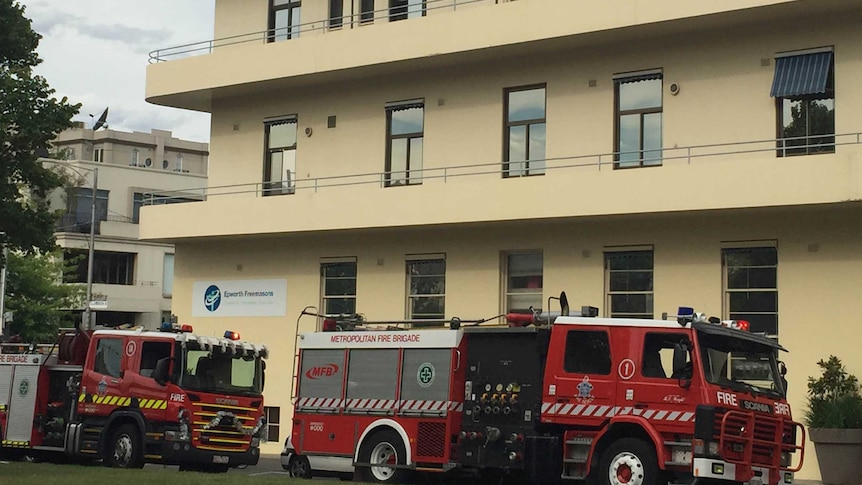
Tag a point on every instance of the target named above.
point(131, 348)
point(626, 369)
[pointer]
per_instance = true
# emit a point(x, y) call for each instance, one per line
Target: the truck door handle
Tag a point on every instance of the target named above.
point(641, 405)
point(563, 399)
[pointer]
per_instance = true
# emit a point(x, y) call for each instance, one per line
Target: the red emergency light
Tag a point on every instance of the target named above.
point(231, 335)
point(330, 325)
point(187, 328)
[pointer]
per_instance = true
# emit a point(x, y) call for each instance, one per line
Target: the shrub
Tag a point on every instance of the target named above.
point(834, 400)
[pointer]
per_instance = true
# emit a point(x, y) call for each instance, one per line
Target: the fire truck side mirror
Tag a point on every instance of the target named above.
point(682, 369)
point(161, 373)
point(564, 304)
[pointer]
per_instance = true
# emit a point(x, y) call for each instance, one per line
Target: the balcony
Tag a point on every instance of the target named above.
point(241, 61)
point(695, 178)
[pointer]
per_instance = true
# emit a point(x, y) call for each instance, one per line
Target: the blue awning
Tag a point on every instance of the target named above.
point(801, 75)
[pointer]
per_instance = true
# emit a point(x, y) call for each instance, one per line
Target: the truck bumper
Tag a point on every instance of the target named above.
point(174, 453)
point(718, 469)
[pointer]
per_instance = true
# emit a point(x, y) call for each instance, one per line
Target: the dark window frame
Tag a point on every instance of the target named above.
point(610, 292)
point(508, 286)
point(727, 290)
point(411, 137)
point(293, 28)
point(336, 14)
point(277, 187)
point(100, 362)
point(401, 10)
point(412, 269)
point(273, 426)
point(507, 125)
point(325, 298)
point(109, 267)
point(642, 113)
point(786, 147)
point(596, 362)
point(366, 11)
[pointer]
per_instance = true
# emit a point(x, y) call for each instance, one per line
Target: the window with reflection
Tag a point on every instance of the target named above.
point(366, 9)
point(629, 280)
point(336, 13)
point(523, 281)
point(406, 9)
point(638, 120)
point(524, 131)
point(280, 164)
point(283, 20)
point(426, 288)
point(804, 91)
point(338, 282)
point(405, 125)
point(751, 287)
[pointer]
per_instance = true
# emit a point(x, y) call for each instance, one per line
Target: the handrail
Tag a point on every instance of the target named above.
point(552, 165)
point(326, 24)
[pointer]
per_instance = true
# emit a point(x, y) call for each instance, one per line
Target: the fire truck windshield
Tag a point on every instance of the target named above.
point(220, 371)
point(740, 364)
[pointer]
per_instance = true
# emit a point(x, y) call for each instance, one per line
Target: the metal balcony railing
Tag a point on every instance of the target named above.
point(71, 223)
point(792, 147)
point(319, 25)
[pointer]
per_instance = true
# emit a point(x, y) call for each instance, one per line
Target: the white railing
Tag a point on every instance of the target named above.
point(321, 25)
point(552, 167)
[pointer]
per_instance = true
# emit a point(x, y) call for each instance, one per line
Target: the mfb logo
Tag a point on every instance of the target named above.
point(212, 298)
point(325, 370)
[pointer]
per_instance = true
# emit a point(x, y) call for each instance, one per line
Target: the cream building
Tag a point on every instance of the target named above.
point(132, 278)
point(638, 154)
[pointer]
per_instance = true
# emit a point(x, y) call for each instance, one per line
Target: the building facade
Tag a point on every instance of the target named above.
point(424, 159)
point(132, 278)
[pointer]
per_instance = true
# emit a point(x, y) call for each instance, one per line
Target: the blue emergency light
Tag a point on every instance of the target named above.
point(684, 315)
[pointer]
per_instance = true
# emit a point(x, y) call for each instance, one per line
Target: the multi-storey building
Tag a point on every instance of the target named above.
point(132, 279)
point(412, 159)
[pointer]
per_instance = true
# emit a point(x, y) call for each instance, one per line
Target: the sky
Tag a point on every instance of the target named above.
point(95, 53)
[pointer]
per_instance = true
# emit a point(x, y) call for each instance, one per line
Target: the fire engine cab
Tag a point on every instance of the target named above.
point(128, 397)
point(545, 400)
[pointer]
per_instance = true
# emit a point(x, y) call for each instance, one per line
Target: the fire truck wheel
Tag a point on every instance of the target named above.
point(381, 449)
point(299, 467)
point(124, 449)
point(629, 461)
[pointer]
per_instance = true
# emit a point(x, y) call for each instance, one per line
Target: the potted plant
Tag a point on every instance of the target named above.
point(834, 420)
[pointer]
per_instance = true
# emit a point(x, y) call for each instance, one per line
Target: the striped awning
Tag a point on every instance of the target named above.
point(801, 75)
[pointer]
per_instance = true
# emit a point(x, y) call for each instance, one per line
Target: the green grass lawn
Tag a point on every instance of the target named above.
point(22, 473)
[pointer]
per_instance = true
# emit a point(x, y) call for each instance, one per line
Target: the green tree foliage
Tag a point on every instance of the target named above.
point(834, 400)
point(30, 118)
point(39, 304)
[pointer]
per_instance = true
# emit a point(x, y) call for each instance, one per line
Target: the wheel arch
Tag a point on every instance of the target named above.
point(382, 424)
point(627, 427)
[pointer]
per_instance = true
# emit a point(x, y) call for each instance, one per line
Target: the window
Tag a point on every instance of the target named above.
point(151, 353)
point(280, 163)
point(524, 132)
point(426, 288)
point(108, 356)
point(658, 355)
point(804, 92)
point(336, 13)
point(283, 20)
point(67, 153)
point(273, 420)
point(168, 276)
point(366, 8)
point(99, 155)
point(751, 287)
point(339, 287)
point(406, 9)
point(638, 120)
point(404, 137)
point(108, 268)
point(587, 352)
point(140, 199)
point(523, 282)
point(179, 167)
point(136, 155)
point(81, 208)
point(629, 280)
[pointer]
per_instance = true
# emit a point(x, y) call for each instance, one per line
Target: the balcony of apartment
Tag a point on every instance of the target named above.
point(249, 58)
point(741, 175)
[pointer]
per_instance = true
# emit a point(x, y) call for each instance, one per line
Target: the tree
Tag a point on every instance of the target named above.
point(30, 118)
point(38, 302)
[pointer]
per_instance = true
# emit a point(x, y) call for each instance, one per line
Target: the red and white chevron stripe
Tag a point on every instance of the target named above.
point(597, 411)
point(310, 403)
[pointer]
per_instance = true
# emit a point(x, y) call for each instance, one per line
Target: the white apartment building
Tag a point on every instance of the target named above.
point(439, 158)
point(132, 278)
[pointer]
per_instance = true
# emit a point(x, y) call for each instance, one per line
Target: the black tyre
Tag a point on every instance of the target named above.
point(298, 467)
point(381, 449)
point(628, 461)
point(125, 448)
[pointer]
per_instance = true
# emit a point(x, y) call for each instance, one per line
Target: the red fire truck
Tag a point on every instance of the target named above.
point(615, 401)
point(128, 397)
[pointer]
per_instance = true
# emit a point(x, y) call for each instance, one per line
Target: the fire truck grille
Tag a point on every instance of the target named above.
point(763, 434)
point(432, 440)
point(222, 428)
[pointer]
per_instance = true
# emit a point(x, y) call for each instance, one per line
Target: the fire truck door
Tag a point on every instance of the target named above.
point(583, 389)
point(103, 377)
point(655, 390)
point(22, 399)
